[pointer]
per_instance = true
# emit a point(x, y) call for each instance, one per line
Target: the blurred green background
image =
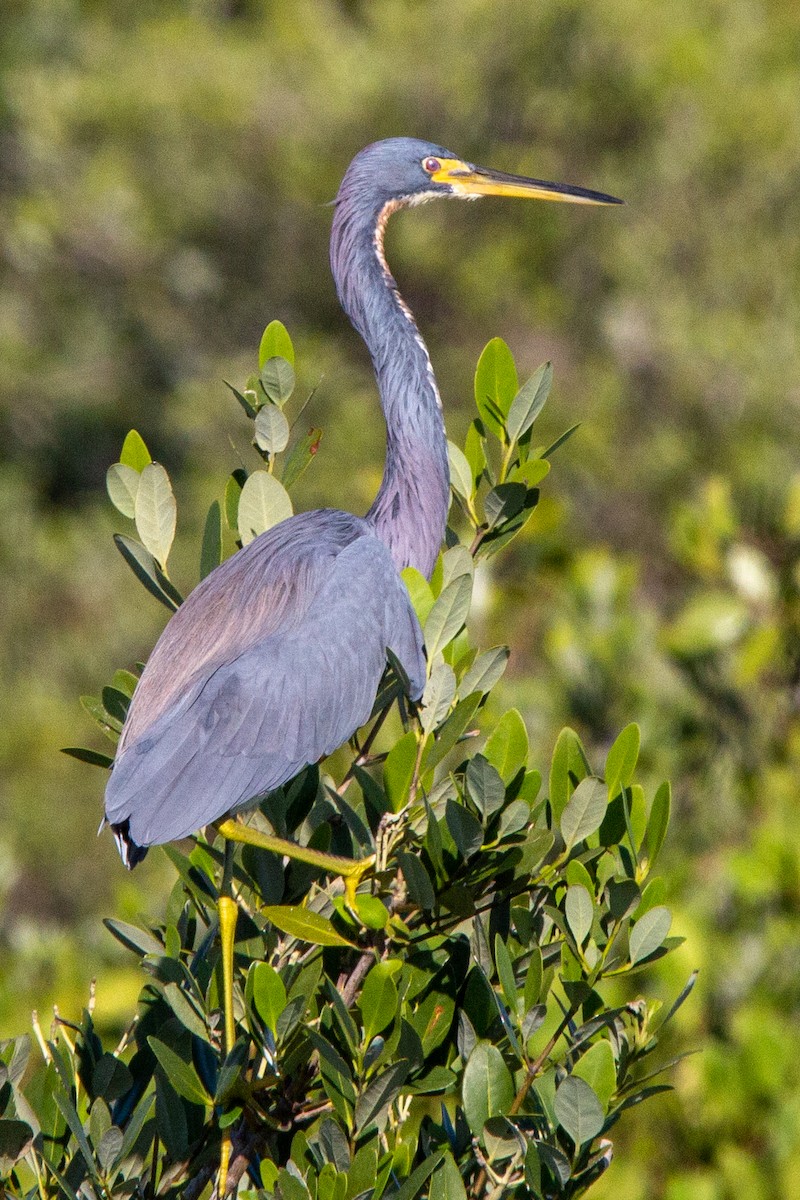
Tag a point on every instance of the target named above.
point(164, 171)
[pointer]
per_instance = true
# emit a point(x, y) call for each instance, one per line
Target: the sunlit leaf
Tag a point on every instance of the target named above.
point(264, 502)
point(529, 401)
point(649, 932)
point(496, 384)
point(277, 379)
point(271, 429)
point(487, 1087)
point(134, 452)
point(156, 512)
point(303, 924)
point(578, 1110)
point(122, 484)
point(461, 479)
point(275, 343)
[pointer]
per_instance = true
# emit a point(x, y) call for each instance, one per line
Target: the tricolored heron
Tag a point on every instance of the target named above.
point(274, 660)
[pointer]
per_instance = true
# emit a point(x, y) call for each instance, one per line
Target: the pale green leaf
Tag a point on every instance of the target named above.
point(584, 812)
point(648, 934)
point(264, 502)
point(122, 484)
point(155, 512)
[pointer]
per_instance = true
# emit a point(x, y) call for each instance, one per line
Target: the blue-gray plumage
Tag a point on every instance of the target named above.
point(274, 660)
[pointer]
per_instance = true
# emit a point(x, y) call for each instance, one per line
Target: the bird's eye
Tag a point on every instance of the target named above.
point(431, 165)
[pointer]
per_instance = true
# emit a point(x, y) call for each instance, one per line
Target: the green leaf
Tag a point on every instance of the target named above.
point(418, 881)
point(579, 910)
point(565, 436)
point(275, 343)
point(496, 384)
point(93, 757)
point(269, 994)
point(133, 938)
point(621, 760)
point(211, 551)
point(419, 591)
point(531, 473)
point(484, 673)
point(303, 924)
point(649, 932)
point(461, 480)
point(466, 830)
point(448, 615)
point(505, 973)
point(156, 512)
point(533, 979)
point(271, 429)
point(378, 1000)
point(233, 492)
point(657, 822)
point(250, 409)
point(264, 502)
point(569, 764)
point(584, 812)
point(148, 572)
point(277, 379)
point(474, 451)
point(507, 745)
point(487, 1086)
point(398, 770)
point(301, 455)
point(455, 725)
point(485, 785)
point(438, 696)
point(597, 1068)
point(455, 562)
point(504, 502)
point(110, 1078)
point(578, 1110)
point(122, 484)
point(447, 1183)
point(181, 1074)
point(529, 402)
point(134, 453)
point(411, 1186)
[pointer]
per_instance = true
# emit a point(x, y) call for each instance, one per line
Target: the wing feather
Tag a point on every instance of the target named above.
point(259, 709)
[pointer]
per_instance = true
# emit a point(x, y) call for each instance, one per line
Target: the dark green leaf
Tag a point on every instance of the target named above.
point(180, 1073)
point(378, 1000)
point(657, 823)
point(148, 572)
point(505, 973)
point(302, 453)
point(487, 1088)
point(504, 502)
point(578, 1110)
point(249, 408)
point(211, 551)
point(418, 882)
point(411, 1186)
point(111, 1078)
point(485, 785)
point(466, 830)
point(565, 436)
point(94, 757)
point(621, 760)
point(380, 1093)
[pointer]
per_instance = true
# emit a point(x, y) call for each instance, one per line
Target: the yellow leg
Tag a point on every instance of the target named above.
point(351, 870)
point(227, 909)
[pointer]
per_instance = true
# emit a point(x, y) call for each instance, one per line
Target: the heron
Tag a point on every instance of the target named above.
point(275, 659)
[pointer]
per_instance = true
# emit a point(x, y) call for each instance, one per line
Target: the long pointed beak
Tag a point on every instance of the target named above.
point(467, 180)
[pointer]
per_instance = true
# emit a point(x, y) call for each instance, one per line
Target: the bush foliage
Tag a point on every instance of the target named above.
point(449, 1033)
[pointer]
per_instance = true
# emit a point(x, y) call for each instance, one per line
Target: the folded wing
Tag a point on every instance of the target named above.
point(272, 663)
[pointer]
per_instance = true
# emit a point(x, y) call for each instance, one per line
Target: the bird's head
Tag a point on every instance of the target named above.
point(402, 171)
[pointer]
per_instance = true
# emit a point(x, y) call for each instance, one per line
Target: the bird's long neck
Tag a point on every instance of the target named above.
point(409, 512)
